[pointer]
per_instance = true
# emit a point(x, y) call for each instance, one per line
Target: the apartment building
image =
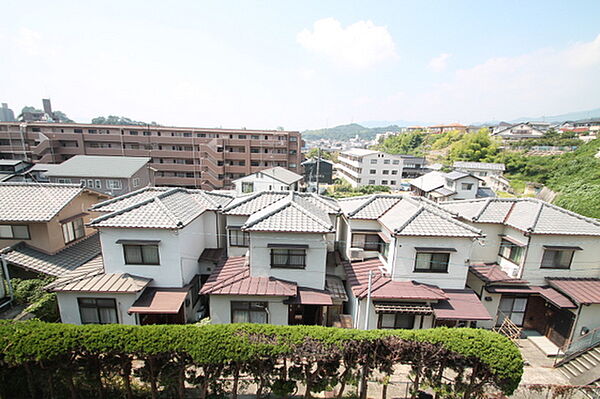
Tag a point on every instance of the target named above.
point(187, 157)
point(361, 167)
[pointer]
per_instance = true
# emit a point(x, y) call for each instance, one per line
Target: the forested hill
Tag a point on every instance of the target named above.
point(345, 132)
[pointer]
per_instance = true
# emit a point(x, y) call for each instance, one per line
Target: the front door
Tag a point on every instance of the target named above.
point(560, 323)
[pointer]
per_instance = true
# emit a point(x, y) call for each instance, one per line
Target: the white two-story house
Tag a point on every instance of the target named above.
point(149, 270)
point(440, 186)
point(539, 267)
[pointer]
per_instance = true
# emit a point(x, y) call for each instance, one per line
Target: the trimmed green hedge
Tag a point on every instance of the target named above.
point(62, 358)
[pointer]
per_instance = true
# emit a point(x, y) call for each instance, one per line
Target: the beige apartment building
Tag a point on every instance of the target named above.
point(188, 157)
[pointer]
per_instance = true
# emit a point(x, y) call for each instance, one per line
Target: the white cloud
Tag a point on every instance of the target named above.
point(307, 73)
point(360, 45)
point(439, 63)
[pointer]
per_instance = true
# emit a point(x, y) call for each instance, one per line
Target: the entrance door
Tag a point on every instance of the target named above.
point(560, 323)
point(308, 315)
point(513, 308)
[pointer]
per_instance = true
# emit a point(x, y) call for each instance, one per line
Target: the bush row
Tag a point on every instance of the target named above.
point(40, 359)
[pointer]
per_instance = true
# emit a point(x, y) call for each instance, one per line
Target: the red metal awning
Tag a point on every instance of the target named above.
point(460, 305)
point(548, 293)
point(310, 296)
point(159, 301)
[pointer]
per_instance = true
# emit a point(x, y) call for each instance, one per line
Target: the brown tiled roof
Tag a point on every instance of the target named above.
point(160, 301)
point(90, 277)
point(35, 202)
point(548, 293)
point(211, 254)
point(383, 287)
point(66, 260)
point(584, 291)
point(232, 277)
point(493, 273)
point(460, 305)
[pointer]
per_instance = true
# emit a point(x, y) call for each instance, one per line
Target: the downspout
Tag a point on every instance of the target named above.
point(522, 266)
point(565, 347)
point(356, 312)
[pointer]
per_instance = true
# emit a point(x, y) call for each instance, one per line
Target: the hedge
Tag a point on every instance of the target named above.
point(60, 360)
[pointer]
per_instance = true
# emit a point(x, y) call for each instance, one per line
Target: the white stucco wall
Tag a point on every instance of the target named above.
point(262, 182)
point(404, 261)
point(488, 252)
point(235, 221)
point(313, 276)
point(220, 308)
point(491, 305)
point(589, 317)
point(69, 308)
point(462, 193)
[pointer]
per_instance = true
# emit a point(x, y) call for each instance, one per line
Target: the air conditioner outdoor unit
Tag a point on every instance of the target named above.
point(357, 254)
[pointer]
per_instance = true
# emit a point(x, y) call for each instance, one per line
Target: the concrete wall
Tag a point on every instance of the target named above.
point(69, 309)
point(313, 276)
point(404, 261)
point(220, 308)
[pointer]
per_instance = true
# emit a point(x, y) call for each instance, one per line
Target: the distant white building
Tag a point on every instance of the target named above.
point(361, 167)
point(273, 179)
point(519, 131)
point(484, 170)
point(440, 186)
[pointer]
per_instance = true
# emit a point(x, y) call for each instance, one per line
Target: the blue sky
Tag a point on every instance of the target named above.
point(302, 64)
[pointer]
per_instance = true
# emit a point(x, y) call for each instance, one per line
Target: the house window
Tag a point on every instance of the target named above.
point(114, 184)
point(249, 312)
point(371, 181)
point(386, 161)
point(141, 254)
point(466, 186)
point(396, 162)
point(368, 242)
point(97, 310)
point(98, 184)
point(373, 162)
point(90, 183)
point(384, 182)
point(396, 320)
point(14, 231)
point(511, 251)
point(238, 238)
point(136, 181)
point(372, 171)
point(432, 262)
point(512, 308)
point(73, 230)
point(386, 172)
point(482, 174)
point(393, 182)
point(247, 187)
point(63, 181)
point(557, 258)
point(288, 258)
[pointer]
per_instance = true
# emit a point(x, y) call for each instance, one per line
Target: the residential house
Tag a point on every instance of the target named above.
point(153, 242)
point(43, 227)
point(413, 166)
point(361, 167)
point(441, 186)
point(519, 131)
point(406, 263)
point(325, 173)
point(113, 175)
point(480, 169)
point(277, 271)
point(447, 128)
point(538, 267)
point(273, 179)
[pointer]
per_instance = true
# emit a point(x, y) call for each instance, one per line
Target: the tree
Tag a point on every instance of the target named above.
point(475, 147)
point(62, 117)
point(120, 120)
point(404, 143)
point(314, 153)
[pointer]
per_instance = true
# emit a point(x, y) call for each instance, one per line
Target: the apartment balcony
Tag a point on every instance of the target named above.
point(235, 169)
point(104, 138)
point(177, 181)
point(68, 150)
point(103, 151)
point(176, 167)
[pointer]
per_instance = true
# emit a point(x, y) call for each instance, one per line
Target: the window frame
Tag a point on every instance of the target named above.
point(142, 263)
point(431, 262)
point(289, 255)
point(558, 251)
point(245, 185)
point(110, 184)
point(241, 308)
point(504, 243)
point(245, 239)
point(97, 307)
point(12, 231)
point(397, 325)
point(77, 232)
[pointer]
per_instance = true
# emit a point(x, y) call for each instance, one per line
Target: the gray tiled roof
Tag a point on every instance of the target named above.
point(90, 277)
point(34, 202)
point(168, 209)
point(525, 214)
point(368, 207)
point(99, 166)
point(418, 217)
point(56, 264)
point(293, 213)
point(249, 204)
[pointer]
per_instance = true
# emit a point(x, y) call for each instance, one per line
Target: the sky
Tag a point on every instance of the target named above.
point(301, 64)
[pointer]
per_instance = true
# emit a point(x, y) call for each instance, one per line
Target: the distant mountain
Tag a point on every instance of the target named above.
point(345, 132)
point(572, 116)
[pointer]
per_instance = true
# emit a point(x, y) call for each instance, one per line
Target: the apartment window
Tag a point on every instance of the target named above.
point(147, 133)
point(14, 231)
point(249, 312)
point(97, 310)
point(396, 162)
point(141, 254)
point(288, 258)
point(64, 181)
point(254, 150)
point(371, 181)
point(254, 137)
point(386, 161)
point(114, 184)
point(186, 134)
point(78, 130)
point(201, 135)
point(247, 187)
point(396, 321)
point(368, 242)
point(512, 308)
point(238, 238)
point(372, 171)
point(432, 262)
point(373, 162)
point(466, 186)
point(133, 133)
point(292, 165)
point(92, 131)
point(241, 136)
point(135, 182)
point(557, 258)
point(73, 230)
point(386, 172)
point(293, 138)
point(393, 182)
point(384, 182)
point(511, 251)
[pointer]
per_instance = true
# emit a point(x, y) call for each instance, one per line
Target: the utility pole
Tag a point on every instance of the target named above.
point(368, 299)
point(318, 167)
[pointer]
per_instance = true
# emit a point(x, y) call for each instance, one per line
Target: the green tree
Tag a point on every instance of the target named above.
point(476, 147)
point(62, 117)
point(404, 143)
point(314, 153)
